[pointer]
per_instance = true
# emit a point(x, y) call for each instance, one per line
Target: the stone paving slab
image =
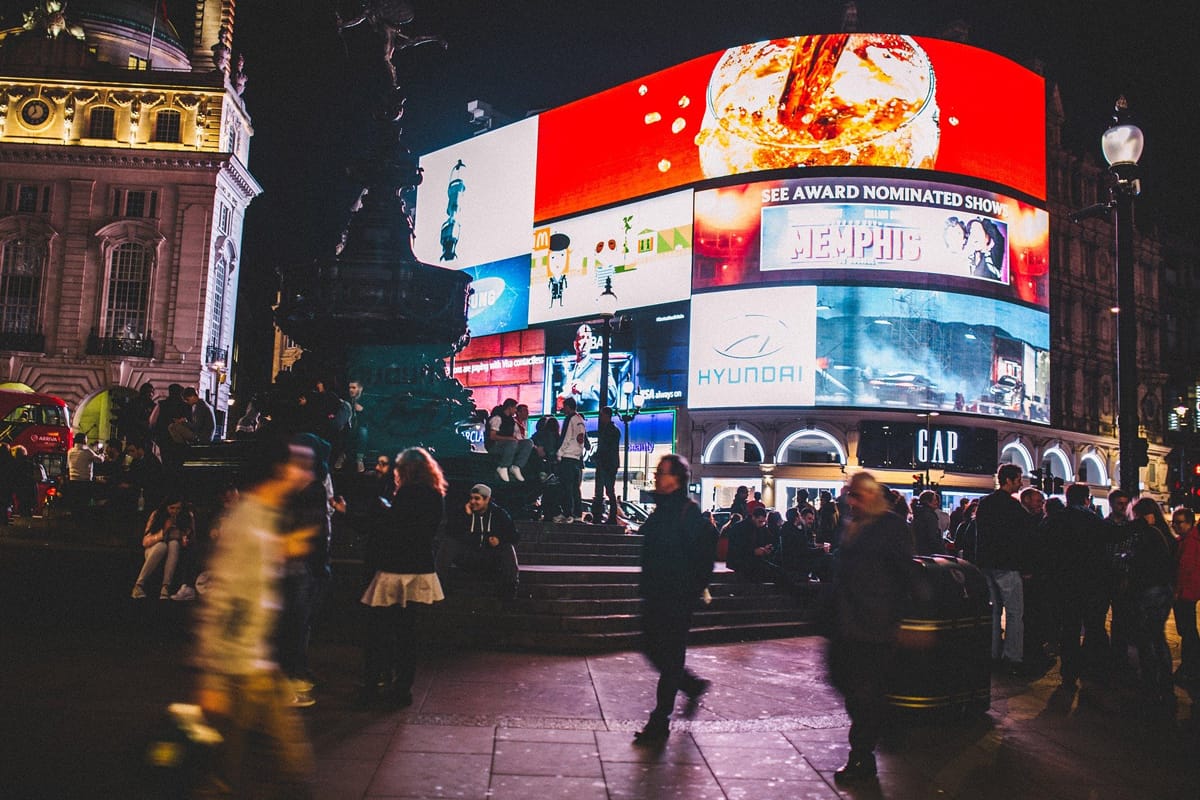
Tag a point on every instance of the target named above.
point(506, 726)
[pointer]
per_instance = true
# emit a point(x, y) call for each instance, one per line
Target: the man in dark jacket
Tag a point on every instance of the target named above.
point(606, 459)
point(480, 536)
point(752, 547)
point(870, 584)
point(1002, 526)
point(678, 550)
point(1077, 562)
point(927, 535)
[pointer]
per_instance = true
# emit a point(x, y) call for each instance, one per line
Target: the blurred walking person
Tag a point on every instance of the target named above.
point(1187, 594)
point(870, 584)
point(678, 550)
point(1152, 570)
point(400, 550)
point(241, 688)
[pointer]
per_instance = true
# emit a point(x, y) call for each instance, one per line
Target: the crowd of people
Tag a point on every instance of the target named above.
point(262, 561)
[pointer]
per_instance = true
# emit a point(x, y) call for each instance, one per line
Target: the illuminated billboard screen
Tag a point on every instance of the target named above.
point(867, 346)
point(839, 100)
point(475, 203)
point(505, 365)
point(649, 355)
point(753, 347)
point(929, 350)
point(881, 230)
point(499, 299)
point(644, 248)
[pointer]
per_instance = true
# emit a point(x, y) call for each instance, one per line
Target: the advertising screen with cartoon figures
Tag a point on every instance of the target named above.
point(835, 100)
point(868, 230)
point(869, 346)
point(644, 249)
point(647, 355)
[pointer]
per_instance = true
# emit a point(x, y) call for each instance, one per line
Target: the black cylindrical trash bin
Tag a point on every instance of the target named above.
point(943, 665)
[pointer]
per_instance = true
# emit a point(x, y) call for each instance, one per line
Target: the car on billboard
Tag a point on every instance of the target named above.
point(907, 388)
point(1007, 391)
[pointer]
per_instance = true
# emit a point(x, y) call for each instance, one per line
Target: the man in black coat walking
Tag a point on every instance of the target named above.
point(871, 582)
point(678, 550)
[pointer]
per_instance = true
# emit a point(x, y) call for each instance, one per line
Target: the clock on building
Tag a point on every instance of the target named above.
point(35, 112)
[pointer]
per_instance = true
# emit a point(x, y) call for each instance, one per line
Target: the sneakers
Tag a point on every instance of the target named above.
point(557, 519)
point(515, 471)
point(139, 592)
point(164, 593)
point(503, 473)
point(185, 593)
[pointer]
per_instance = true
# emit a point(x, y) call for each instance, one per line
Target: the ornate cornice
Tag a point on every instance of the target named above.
point(101, 157)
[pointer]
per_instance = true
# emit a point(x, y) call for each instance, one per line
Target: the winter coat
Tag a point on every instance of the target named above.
point(678, 549)
point(872, 580)
point(1187, 581)
point(401, 541)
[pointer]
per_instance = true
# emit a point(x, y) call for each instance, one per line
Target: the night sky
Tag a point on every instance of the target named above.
point(305, 91)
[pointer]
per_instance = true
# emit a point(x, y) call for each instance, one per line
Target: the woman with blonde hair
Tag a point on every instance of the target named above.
point(400, 553)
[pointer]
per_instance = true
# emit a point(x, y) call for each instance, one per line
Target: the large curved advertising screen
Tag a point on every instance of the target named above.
point(872, 230)
point(836, 100)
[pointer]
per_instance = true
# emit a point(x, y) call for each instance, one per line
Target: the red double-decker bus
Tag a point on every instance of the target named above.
point(39, 422)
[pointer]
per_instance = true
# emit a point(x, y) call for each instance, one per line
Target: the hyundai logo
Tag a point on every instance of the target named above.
point(754, 336)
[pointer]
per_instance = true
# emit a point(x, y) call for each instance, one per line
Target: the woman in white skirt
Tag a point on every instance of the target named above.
point(400, 552)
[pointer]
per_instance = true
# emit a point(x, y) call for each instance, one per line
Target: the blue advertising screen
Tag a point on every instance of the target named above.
point(499, 301)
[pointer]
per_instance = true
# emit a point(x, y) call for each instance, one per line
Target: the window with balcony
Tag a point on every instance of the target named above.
point(127, 297)
point(167, 126)
point(21, 264)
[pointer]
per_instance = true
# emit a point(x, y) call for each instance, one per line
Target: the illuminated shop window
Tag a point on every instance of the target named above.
point(733, 447)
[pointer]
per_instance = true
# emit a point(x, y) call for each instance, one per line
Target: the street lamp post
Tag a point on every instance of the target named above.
point(928, 442)
point(633, 406)
point(1122, 144)
point(608, 309)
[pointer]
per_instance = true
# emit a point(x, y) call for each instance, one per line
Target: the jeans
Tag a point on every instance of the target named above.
point(511, 452)
point(1151, 608)
point(154, 556)
point(500, 561)
point(1008, 596)
point(1185, 623)
point(570, 472)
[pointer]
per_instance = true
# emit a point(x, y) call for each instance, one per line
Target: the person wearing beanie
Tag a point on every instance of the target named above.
point(481, 538)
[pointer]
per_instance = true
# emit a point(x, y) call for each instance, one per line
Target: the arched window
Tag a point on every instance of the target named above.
point(167, 125)
point(102, 123)
point(1092, 471)
point(21, 266)
point(127, 301)
point(810, 446)
point(733, 447)
point(1016, 453)
point(216, 320)
point(1060, 464)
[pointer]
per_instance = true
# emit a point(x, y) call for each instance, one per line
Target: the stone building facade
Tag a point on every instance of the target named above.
point(122, 199)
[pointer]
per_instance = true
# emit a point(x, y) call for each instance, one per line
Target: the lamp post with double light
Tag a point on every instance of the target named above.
point(631, 408)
